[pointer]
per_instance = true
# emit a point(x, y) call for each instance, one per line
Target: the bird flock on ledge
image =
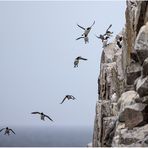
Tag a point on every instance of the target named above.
point(104, 38)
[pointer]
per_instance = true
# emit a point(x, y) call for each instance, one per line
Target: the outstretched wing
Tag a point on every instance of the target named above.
point(81, 27)
point(73, 97)
point(35, 113)
point(92, 24)
point(12, 131)
point(82, 58)
point(2, 129)
point(100, 37)
point(63, 100)
point(108, 28)
point(48, 117)
point(79, 38)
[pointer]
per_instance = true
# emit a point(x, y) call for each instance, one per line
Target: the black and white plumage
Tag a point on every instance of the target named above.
point(7, 131)
point(85, 37)
point(119, 41)
point(86, 32)
point(76, 62)
point(104, 39)
point(108, 33)
point(68, 97)
point(42, 115)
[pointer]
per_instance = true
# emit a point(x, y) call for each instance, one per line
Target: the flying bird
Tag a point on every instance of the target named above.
point(108, 33)
point(7, 131)
point(68, 97)
point(85, 37)
point(42, 115)
point(86, 32)
point(104, 39)
point(76, 62)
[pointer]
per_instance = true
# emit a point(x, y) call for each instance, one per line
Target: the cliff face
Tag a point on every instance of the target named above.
point(122, 108)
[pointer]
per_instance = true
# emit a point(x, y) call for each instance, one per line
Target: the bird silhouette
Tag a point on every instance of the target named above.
point(42, 115)
point(76, 62)
point(68, 97)
point(86, 32)
point(7, 131)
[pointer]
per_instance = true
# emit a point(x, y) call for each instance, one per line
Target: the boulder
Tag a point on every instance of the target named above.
point(145, 68)
point(127, 98)
point(142, 86)
point(135, 115)
point(133, 72)
point(141, 43)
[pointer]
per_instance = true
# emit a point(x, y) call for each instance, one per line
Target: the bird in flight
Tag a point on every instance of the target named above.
point(42, 115)
point(7, 131)
point(76, 62)
point(68, 97)
point(108, 33)
point(85, 37)
point(86, 32)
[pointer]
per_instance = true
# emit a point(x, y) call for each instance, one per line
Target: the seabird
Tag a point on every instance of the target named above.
point(108, 33)
point(76, 62)
point(86, 30)
point(119, 40)
point(85, 37)
point(104, 39)
point(42, 115)
point(7, 131)
point(68, 97)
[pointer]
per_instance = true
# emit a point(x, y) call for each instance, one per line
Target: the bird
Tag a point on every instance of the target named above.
point(7, 131)
point(108, 33)
point(104, 39)
point(42, 115)
point(85, 37)
point(68, 97)
point(76, 62)
point(86, 30)
point(119, 41)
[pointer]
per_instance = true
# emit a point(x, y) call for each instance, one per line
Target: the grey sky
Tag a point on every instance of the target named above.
point(37, 51)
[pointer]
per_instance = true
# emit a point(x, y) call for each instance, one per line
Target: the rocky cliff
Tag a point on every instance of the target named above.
point(122, 107)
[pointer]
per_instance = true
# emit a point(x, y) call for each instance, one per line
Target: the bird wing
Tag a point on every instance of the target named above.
point(79, 38)
point(2, 129)
point(73, 97)
point(48, 117)
point(81, 27)
point(92, 24)
point(100, 37)
point(63, 100)
point(82, 58)
point(108, 28)
point(12, 131)
point(35, 113)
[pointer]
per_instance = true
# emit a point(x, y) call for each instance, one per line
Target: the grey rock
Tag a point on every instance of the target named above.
point(142, 86)
point(145, 68)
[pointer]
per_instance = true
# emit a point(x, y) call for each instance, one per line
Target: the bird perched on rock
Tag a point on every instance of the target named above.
point(42, 115)
point(68, 97)
point(7, 131)
point(76, 62)
point(86, 32)
point(119, 41)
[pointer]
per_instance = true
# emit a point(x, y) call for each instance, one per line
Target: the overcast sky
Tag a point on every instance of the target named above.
point(37, 51)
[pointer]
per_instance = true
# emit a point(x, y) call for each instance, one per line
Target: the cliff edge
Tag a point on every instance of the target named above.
point(122, 107)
